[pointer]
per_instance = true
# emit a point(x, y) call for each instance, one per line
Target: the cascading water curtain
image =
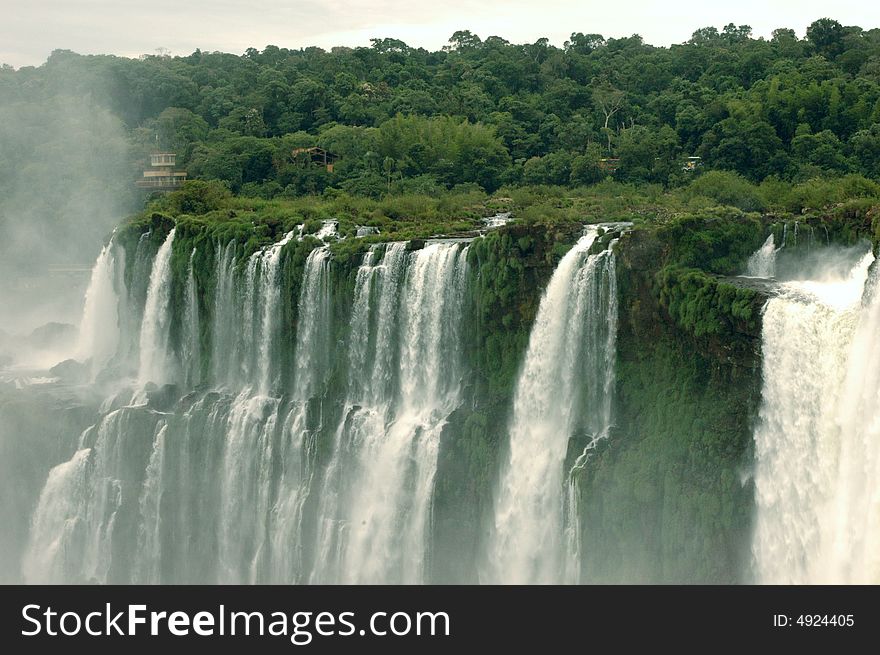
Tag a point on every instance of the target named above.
point(816, 445)
point(565, 385)
point(405, 373)
point(217, 488)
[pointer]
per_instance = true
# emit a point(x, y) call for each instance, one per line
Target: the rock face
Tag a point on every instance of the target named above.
point(71, 371)
point(663, 498)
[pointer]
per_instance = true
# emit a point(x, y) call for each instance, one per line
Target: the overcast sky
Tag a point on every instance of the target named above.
point(31, 29)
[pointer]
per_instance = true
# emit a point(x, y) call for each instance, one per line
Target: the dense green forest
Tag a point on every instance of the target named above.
point(490, 113)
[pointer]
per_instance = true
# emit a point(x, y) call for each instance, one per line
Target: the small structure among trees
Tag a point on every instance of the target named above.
point(161, 175)
point(315, 156)
point(691, 164)
point(609, 164)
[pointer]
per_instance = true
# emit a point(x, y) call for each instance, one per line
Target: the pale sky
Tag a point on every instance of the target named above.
point(31, 29)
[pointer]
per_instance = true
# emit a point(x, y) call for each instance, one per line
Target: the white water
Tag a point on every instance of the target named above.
point(762, 263)
point(244, 486)
point(818, 507)
point(73, 529)
point(191, 343)
point(56, 522)
point(217, 490)
point(854, 551)
point(498, 220)
point(404, 361)
point(155, 360)
point(270, 325)
point(312, 356)
point(312, 338)
point(565, 384)
point(99, 327)
point(226, 318)
point(150, 530)
point(328, 229)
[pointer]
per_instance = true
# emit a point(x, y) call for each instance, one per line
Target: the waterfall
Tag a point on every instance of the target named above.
point(405, 370)
point(328, 229)
point(854, 548)
point(57, 523)
point(270, 325)
point(762, 263)
point(245, 487)
point(99, 327)
point(89, 501)
point(312, 336)
point(150, 534)
point(311, 456)
point(155, 360)
point(226, 319)
point(564, 386)
point(191, 347)
point(815, 445)
point(247, 319)
point(311, 368)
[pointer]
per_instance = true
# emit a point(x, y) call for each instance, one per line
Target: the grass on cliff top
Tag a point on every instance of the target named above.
point(411, 216)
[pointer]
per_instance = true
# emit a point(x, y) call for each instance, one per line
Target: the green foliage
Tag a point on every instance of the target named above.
point(453, 150)
point(662, 497)
point(486, 111)
point(716, 241)
point(702, 305)
point(695, 250)
point(726, 188)
point(818, 195)
point(196, 197)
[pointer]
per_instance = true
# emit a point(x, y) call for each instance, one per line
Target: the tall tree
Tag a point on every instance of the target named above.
point(609, 100)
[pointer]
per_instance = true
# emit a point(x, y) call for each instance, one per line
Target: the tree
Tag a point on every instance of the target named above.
point(553, 168)
point(584, 43)
point(734, 99)
point(865, 147)
point(744, 143)
point(822, 150)
point(783, 35)
point(463, 40)
point(786, 43)
point(733, 34)
point(388, 165)
point(705, 36)
point(609, 100)
point(648, 155)
point(386, 46)
point(247, 121)
point(179, 129)
point(585, 168)
point(826, 35)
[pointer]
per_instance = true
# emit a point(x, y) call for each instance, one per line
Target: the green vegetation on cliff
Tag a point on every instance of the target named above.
point(663, 497)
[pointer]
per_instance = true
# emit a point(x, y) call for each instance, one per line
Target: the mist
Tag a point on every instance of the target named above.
point(65, 181)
